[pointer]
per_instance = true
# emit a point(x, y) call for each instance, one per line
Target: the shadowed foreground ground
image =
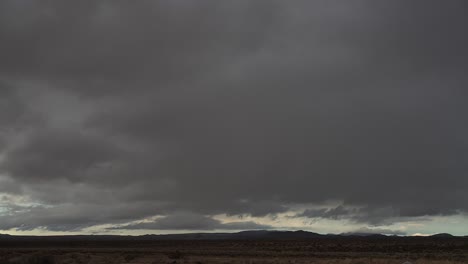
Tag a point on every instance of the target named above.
point(337, 251)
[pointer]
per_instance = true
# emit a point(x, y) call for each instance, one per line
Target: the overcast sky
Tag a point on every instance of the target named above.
point(135, 117)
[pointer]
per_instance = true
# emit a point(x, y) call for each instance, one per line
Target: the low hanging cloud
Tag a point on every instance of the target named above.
point(376, 231)
point(122, 111)
point(376, 215)
point(190, 221)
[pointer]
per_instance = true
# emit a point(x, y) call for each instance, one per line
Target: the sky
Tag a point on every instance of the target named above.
point(170, 116)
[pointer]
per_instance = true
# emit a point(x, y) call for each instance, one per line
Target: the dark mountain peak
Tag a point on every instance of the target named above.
point(443, 235)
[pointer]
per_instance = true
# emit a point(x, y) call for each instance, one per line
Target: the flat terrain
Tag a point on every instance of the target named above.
point(350, 250)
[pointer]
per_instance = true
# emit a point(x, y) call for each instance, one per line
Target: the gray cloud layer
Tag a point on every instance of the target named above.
point(125, 110)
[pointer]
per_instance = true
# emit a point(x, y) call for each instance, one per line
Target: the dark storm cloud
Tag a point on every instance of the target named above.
point(48, 155)
point(9, 106)
point(14, 114)
point(104, 47)
point(245, 107)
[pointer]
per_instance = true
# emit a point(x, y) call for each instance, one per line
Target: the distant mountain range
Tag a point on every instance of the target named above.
point(244, 235)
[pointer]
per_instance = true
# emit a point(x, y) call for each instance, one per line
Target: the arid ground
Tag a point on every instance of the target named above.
point(326, 250)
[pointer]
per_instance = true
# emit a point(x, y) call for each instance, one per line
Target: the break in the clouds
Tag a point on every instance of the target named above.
point(118, 112)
